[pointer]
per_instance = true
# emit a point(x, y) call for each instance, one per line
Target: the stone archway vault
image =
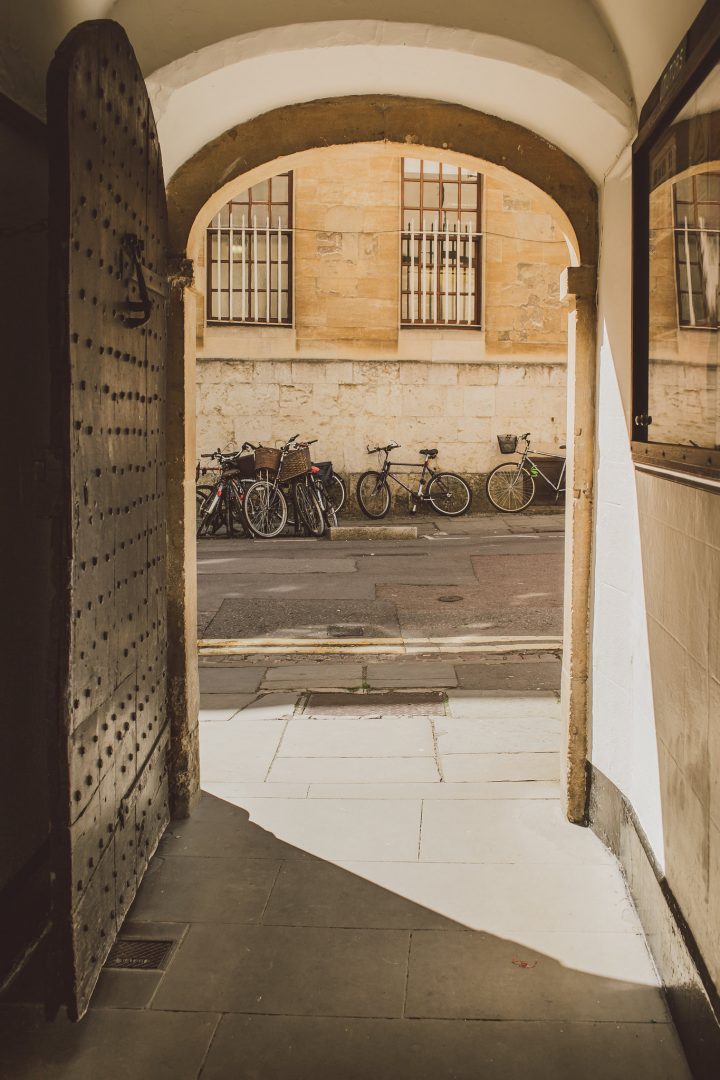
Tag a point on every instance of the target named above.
point(342, 121)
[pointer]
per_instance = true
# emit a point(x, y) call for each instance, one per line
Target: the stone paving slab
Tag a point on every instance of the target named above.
point(397, 770)
point(224, 702)
point(411, 674)
point(304, 970)
point(497, 736)
point(511, 675)
point(475, 768)
point(360, 1049)
point(488, 978)
point(115, 1044)
point(313, 676)
point(353, 736)
point(503, 704)
point(503, 831)
point(527, 902)
point(342, 829)
point(229, 680)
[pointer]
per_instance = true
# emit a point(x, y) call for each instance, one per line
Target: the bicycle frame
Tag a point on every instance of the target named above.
point(558, 488)
point(426, 471)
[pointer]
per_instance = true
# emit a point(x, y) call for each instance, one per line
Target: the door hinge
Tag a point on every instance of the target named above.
point(641, 420)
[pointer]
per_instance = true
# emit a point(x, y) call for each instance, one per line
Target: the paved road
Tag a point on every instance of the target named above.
point(472, 593)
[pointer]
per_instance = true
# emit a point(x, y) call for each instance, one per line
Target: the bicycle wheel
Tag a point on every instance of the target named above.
point(201, 494)
point(236, 495)
point(449, 494)
point(510, 487)
point(373, 494)
point(308, 506)
point(265, 510)
point(336, 493)
point(329, 511)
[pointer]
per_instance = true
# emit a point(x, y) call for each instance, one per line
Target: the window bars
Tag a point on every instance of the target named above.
point(696, 208)
point(440, 245)
point(249, 255)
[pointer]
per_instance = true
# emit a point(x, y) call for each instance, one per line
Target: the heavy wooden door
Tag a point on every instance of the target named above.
point(108, 332)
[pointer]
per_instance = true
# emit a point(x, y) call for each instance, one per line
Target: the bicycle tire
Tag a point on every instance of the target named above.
point(518, 500)
point(265, 510)
point(308, 506)
point(235, 499)
point(440, 500)
point(377, 485)
point(201, 494)
point(329, 511)
point(336, 492)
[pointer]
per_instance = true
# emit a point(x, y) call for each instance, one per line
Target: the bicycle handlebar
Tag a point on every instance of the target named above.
point(384, 449)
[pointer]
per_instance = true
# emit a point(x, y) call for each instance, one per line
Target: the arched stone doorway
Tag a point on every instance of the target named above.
point(274, 137)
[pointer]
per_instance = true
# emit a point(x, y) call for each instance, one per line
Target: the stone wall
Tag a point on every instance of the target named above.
point(348, 375)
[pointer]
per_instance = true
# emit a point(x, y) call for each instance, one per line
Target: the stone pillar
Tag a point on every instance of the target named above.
point(579, 284)
point(183, 686)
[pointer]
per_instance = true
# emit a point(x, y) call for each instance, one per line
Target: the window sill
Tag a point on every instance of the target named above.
point(685, 464)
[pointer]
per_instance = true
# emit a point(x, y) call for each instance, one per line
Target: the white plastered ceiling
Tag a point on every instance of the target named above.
point(569, 69)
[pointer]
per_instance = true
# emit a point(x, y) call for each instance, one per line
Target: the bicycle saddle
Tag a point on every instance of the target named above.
point(428, 453)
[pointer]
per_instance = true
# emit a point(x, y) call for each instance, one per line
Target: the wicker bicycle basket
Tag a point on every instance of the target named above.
point(267, 457)
point(296, 463)
point(507, 443)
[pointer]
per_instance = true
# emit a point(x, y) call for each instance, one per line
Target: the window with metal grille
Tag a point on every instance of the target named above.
point(696, 201)
point(249, 257)
point(440, 245)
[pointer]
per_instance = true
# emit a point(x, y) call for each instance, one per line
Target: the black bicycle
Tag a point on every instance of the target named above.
point(220, 503)
point(446, 492)
point(510, 486)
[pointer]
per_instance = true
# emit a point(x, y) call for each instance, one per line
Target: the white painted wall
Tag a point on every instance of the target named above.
point(623, 728)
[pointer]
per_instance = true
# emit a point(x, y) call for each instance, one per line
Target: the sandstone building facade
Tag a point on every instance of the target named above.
point(355, 366)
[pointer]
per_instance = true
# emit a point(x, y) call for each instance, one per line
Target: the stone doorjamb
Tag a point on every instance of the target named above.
point(414, 123)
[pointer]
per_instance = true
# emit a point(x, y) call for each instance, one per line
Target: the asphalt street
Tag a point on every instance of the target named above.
point(483, 595)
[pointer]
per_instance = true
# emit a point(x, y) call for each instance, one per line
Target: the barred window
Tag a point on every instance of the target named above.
point(249, 256)
point(440, 245)
point(696, 201)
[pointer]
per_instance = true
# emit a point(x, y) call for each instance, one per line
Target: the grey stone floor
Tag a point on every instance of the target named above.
point(376, 884)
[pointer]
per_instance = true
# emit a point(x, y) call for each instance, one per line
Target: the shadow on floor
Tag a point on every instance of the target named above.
point(290, 968)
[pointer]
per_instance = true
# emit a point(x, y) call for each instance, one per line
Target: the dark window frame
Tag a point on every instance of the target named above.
point(693, 60)
point(477, 244)
point(704, 323)
point(211, 232)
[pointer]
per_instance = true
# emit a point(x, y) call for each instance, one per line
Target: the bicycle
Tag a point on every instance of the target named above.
point(510, 486)
point(446, 492)
point(220, 503)
point(265, 507)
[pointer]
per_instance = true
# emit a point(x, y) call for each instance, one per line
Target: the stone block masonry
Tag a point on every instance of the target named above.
point(350, 405)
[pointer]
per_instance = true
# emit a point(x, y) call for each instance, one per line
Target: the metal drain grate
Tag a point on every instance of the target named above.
point(139, 954)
